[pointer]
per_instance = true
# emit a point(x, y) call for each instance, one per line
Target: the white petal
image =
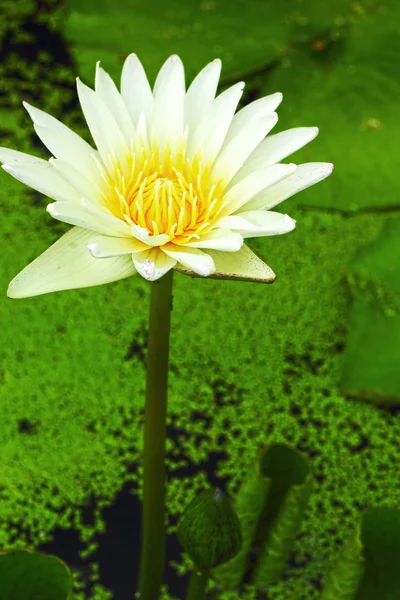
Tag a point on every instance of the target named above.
point(192, 258)
point(218, 239)
point(135, 89)
point(201, 93)
point(66, 265)
point(243, 265)
point(238, 195)
point(277, 147)
point(103, 127)
point(211, 130)
point(77, 215)
point(108, 92)
point(62, 142)
point(14, 158)
point(105, 216)
point(164, 72)
point(144, 236)
point(233, 154)
point(142, 138)
point(257, 223)
point(41, 176)
point(305, 175)
point(254, 110)
point(84, 186)
point(104, 246)
point(152, 264)
point(167, 118)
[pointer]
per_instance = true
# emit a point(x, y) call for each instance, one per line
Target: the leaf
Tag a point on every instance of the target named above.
point(270, 504)
point(283, 512)
point(273, 557)
point(381, 542)
point(343, 581)
point(209, 529)
point(248, 503)
point(246, 35)
point(345, 81)
point(371, 361)
point(28, 575)
point(368, 565)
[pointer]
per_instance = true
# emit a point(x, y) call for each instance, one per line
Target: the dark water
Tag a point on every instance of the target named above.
point(118, 553)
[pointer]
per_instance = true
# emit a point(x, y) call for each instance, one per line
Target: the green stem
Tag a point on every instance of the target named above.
point(197, 584)
point(153, 528)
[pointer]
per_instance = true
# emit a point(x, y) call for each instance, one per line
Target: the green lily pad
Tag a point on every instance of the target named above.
point(246, 35)
point(380, 535)
point(371, 361)
point(28, 575)
point(345, 80)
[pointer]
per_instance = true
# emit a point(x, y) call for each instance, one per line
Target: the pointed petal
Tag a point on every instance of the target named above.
point(201, 93)
point(233, 154)
point(191, 258)
point(277, 147)
point(78, 215)
point(283, 144)
point(218, 239)
point(167, 119)
point(135, 89)
point(212, 128)
point(42, 176)
point(152, 264)
point(164, 72)
point(142, 137)
point(238, 195)
point(254, 110)
point(62, 142)
point(119, 227)
point(257, 223)
point(84, 186)
point(103, 127)
point(243, 265)
point(103, 246)
point(108, 92)
point(66, 265)
point(144, 236)
point(305, 175)
point(14, 158)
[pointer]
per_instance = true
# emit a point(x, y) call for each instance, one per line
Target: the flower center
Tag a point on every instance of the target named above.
point(165, 195)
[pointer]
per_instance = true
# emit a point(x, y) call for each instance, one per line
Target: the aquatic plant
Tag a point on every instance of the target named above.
point(51, 466)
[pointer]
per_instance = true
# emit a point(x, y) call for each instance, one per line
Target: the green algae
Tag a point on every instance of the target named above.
point(261, 363)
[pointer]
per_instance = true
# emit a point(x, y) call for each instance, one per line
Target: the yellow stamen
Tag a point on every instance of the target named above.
point(165, 193)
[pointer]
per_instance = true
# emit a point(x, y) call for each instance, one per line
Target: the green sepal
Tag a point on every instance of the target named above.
point(209, 529)
point(31, 575)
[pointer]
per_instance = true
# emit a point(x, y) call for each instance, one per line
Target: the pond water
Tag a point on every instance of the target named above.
point(118, 553)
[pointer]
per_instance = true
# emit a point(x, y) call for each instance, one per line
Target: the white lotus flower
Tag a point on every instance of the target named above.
point(178, 180)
